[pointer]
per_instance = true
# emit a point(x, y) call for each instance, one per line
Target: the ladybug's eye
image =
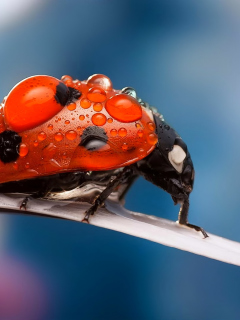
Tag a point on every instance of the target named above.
point(176, 157)
point(130, 91)
point(34, 101)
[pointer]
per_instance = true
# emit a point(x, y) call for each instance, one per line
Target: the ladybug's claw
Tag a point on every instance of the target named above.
point(24, 204)
point(205, 235)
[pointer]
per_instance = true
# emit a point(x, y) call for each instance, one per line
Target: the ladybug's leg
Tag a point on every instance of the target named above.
point(40, 194)
point(183, 218)
point(24, 203)
point(123, 175)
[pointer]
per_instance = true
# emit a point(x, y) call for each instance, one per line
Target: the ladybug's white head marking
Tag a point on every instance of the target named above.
point(176, 157)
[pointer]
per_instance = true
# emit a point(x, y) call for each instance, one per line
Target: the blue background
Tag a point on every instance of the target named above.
point(183, 58)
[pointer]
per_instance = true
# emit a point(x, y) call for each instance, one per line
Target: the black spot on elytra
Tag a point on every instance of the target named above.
point(62, 94)
point(74, 95)
point(93, 133)
point(66, 95)
point(9, 146)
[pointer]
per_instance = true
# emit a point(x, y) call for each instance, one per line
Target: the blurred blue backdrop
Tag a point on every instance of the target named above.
point(183, 58)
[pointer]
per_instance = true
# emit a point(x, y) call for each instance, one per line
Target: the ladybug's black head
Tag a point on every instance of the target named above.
point(169, 166)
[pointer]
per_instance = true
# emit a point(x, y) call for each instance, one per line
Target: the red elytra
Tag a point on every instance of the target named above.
point(52, 133)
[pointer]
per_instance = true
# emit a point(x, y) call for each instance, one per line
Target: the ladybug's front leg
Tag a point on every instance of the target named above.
point(183, 218)
point(111, 186)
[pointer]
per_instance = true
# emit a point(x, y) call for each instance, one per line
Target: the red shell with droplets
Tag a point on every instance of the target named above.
point(52, 133)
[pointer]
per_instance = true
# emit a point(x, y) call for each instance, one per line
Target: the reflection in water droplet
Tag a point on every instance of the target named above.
point(109, 120)
point(122, 132)
point(50, 126)
point(42, 136)
point(23, 150)
point(35, 143)
point(113, 132)
point(71, 135)
point(81, 117)
point(99, 119)
point(67, 122)
point(58, 136)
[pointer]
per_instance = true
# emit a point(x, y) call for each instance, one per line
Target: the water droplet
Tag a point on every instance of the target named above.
point(23, 150)
point(99, 119)
point(122, 132)
point(85, 103)
point(109, 120)
point(96, 94)
point(50, 126)
point(81, 117)
point(42, 136)
point(67, 122)
point(113, 132)
point(59, 119)
point(79, 128)
point(67, 80)
point(100, 80)
point(27, 165)
point(15, 165)
point(141, 152)
point(151, 126)
point(71, 106)
point(138, 125)
point(97, 107)
point(140, 133)
point(125, 146)
point(152, 138)
point(64, 155)
point(130, 91)
point(58, 136)
point(35, 143)
point(124, 108)
point(71, 135)
point(166, 127)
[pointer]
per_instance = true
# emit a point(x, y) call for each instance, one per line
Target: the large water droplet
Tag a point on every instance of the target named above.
point(100, 80)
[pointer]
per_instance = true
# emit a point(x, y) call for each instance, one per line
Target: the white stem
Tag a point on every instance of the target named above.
point(117, 218)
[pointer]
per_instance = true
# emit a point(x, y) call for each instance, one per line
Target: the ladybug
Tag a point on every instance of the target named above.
point(64, 135)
